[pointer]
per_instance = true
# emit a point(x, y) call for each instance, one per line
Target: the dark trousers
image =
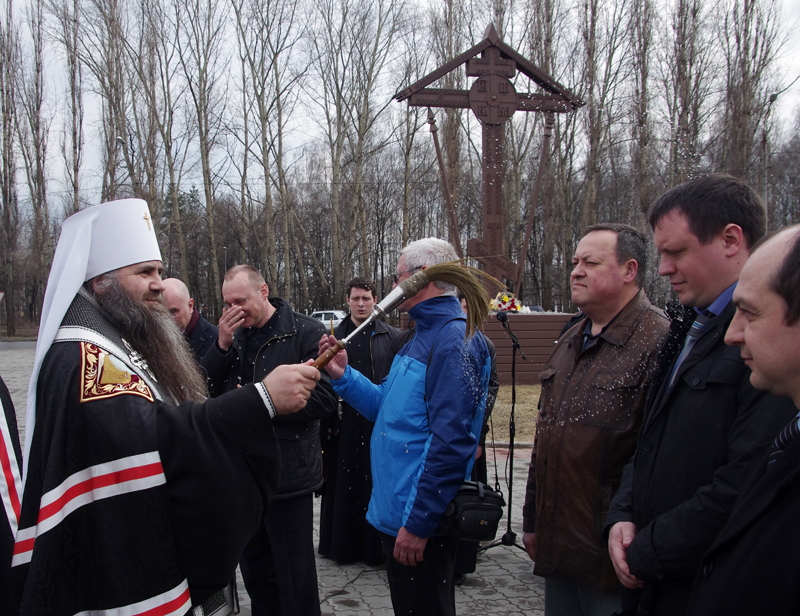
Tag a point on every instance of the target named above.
point(278, 565)
point(426, 589)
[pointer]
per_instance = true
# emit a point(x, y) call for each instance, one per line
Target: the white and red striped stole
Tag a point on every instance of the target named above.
point(10, 476)
point(123, 476)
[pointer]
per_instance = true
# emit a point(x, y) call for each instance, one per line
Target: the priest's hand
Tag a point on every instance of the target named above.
point(337, 365)
point(290, 385)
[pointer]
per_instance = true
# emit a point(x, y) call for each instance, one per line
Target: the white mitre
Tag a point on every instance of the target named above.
point(94, 241)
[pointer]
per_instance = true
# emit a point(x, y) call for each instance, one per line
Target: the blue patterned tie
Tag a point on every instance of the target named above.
point(699, 326)
point(785, 438)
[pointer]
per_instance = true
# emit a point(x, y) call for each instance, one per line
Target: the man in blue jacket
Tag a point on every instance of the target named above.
point(428, 414)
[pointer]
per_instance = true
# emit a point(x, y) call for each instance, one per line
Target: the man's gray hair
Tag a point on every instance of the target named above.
point(430, 251)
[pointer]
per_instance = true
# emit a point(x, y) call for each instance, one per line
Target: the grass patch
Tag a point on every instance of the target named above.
point(525, 413)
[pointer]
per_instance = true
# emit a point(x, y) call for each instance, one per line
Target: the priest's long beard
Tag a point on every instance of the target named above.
point(153, 333)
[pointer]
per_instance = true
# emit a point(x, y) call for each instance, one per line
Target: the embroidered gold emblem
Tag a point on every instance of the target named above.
point(111, 375)
point(102, 378)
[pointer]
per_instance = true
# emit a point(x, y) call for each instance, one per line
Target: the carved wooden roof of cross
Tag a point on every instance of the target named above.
point(494, 100)
point(556, 97)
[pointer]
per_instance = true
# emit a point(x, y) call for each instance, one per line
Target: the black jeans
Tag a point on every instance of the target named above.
point(426, 589)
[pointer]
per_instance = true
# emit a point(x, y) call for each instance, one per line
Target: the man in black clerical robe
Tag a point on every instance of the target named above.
point(344, 533)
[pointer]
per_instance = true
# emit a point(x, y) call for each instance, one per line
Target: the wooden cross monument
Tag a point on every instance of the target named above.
point(494, 100)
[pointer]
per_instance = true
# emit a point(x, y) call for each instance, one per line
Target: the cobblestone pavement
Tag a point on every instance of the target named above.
point(502, 584)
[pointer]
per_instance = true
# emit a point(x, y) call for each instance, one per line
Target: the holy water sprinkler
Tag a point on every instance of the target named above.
point(454, 272)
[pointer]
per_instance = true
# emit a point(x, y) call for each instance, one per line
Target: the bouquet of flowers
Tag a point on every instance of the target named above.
point(505, 301)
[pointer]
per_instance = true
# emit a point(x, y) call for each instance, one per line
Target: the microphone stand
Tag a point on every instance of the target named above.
point(510, 537)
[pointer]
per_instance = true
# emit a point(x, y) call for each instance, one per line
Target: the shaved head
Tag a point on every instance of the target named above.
point(173, 285)
point(179, 303)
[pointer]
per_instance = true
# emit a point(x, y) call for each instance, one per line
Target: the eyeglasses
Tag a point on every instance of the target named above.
point(396, 275)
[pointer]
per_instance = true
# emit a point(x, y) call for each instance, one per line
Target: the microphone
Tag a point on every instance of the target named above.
point(502, 316)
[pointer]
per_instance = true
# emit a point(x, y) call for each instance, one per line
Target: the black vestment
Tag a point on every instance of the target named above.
point(131, 502)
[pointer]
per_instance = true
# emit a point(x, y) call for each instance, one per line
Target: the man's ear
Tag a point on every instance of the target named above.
point(191, 304)
point(631, 269)
point(732, 239)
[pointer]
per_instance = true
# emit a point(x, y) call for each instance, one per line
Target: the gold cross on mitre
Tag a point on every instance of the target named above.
point(147, 220)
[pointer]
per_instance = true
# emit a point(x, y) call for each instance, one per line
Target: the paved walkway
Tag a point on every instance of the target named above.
point(502, 584)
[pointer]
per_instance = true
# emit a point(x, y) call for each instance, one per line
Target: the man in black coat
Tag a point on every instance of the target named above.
point(200, 334)
point(256, 334)
point(704, 423)
point(344, 533)
point(752, 567)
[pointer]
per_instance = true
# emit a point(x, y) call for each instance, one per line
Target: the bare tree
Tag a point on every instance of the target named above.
point(333, 49)
point(641, 36)
point(784, 195)
point(200, 31)
point(410, 121)
point(604, 65)
point(751, 38)
point(33, 130)
point(162, 89)
point(100, 52)
point(144, 152)
point(268, 33)
point(67, 33)
point(447, 41)
point(555, 47)
point(381, 23)
point(541, 18)
point(9, 66)
point(156, 149)
point(687, 83)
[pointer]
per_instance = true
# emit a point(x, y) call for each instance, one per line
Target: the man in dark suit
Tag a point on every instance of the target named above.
point(752, 567)
point(704, 423)
point(200, 334)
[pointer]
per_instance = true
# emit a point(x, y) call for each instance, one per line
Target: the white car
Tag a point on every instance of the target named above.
point(329, 316)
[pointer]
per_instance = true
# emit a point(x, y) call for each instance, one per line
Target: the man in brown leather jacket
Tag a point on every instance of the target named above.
point(593, 392)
